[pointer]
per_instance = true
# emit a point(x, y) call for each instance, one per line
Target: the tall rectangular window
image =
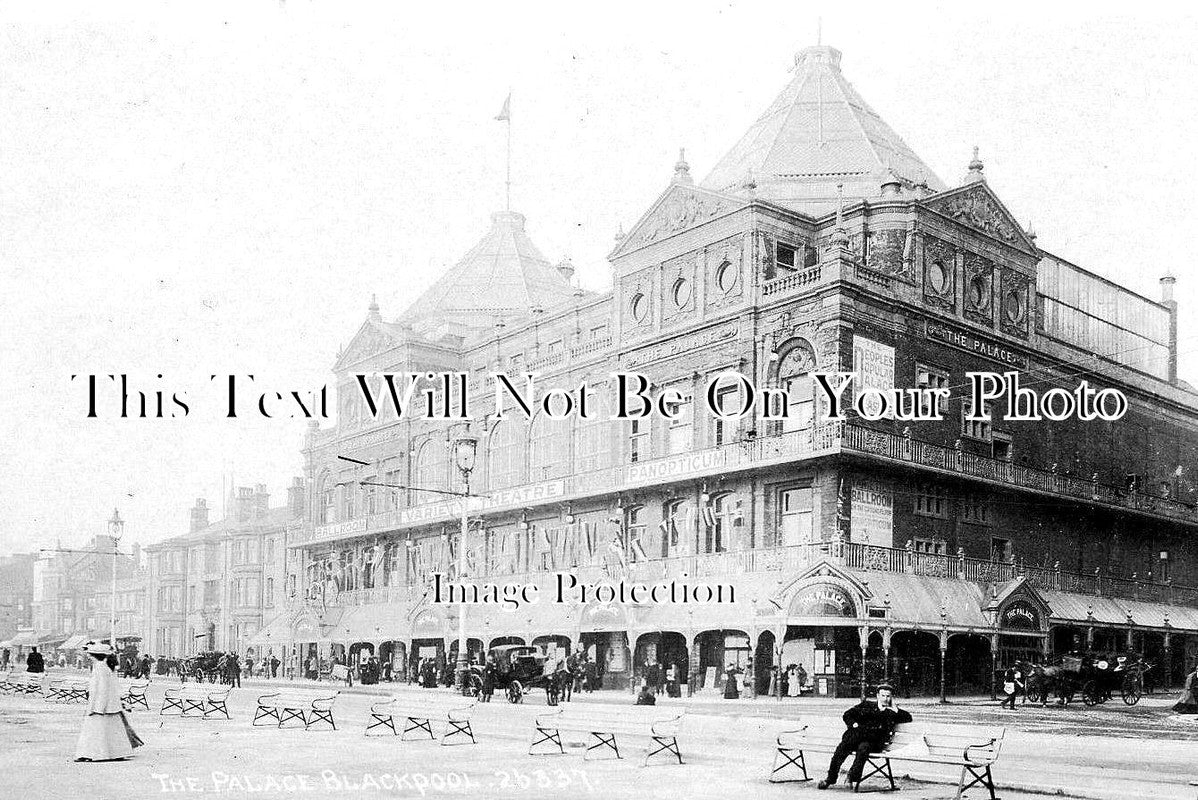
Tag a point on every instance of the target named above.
point(975, 509)
point(638, 440)
point(727, 399)
point(679, 428)
point(929, 378)
point(976, 429)
point(784, 259)
point(931, 500)
point(795, 513)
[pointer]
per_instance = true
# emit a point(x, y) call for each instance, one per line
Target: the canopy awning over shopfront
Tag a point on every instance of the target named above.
point(55, 640)
point(275, 632)
point(919, 600)
point(24, 639)
point(75, 642)
point(1082, 609)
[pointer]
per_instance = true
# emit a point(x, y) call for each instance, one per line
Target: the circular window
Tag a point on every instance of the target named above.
point(979, 292)
point(937, 277)
point(1014, 307)
point(681, 293)
point(639, 307)
point(725, 277)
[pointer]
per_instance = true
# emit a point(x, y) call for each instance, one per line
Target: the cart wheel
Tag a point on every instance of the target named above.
point(1034, 692)
point(515, 692)
point(1131, 691)
point(1090, 694)
point(474, 685)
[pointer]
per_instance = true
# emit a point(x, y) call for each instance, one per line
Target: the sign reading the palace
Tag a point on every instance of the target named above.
point(974, 344)
point(823, 600)
point(1020, 615)
point(871, 513)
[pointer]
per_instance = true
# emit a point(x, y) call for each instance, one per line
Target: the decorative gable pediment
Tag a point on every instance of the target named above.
point(976, 206)
point(823, 590)
point(369, 341)
point(1016, 605)
point(679, 208)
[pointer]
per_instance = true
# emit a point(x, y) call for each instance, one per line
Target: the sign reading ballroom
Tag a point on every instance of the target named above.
point(964, 340)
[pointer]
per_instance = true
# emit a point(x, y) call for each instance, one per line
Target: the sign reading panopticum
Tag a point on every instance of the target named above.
point(872, 513)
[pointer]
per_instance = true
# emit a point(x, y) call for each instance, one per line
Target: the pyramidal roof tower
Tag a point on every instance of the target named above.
point(503, 274)
point(818, 134)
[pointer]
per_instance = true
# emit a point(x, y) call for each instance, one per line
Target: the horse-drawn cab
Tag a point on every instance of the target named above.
point(1097, 677)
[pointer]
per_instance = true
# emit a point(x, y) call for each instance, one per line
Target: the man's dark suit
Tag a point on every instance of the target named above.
point(869, 729)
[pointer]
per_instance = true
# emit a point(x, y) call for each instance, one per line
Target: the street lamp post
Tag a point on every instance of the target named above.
point(465, 451)
point(116, 528)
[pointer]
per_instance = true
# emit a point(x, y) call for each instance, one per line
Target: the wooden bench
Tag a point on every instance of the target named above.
point(22, 683)
point(605, 722)
point(973, 748)
point(421, 711)
point(67, 690)
point(308, 707)
point(189, 697)
point(134, 696)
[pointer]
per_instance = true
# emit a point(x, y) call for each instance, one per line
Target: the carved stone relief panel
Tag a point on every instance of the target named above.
point(639, 297)
point(886, 251)
point(939, 274)
point(1014, 303)
point(725, 271)
point(978, 289)
point(679, 292)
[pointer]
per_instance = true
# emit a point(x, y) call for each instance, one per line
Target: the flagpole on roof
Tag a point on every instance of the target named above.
point(505, 115)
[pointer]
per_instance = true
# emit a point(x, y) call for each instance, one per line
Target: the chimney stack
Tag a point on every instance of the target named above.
point(199, 515)
point(295, 497)
point(1168, 302)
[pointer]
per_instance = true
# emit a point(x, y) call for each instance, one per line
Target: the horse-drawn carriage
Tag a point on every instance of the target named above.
point(1096, 678)
point(517, 669)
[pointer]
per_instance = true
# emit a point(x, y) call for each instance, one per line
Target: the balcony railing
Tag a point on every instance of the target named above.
point(794, 558)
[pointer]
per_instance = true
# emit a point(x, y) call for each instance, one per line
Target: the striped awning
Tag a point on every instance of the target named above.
point(75, 642)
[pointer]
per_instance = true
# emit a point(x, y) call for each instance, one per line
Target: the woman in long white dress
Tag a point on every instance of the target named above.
point(106, 733)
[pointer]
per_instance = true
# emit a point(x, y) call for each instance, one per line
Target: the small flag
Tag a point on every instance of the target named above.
point(709, 516)
point(506, 114)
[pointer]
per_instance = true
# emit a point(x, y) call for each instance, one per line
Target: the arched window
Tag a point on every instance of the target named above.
point(505, 454)
point(594, 435)
point(677, 528)
point(794, 376)
point(326, 511)
point(432, 470)
point(549, 447)
point(349, 500)
point(636, 530)
point(717, 527)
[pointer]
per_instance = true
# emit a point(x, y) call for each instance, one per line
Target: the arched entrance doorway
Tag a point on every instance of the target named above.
point(915, 656)
point(502, 640)
point(663, 649)
point(764, 677)
point(967, 665)
point(553, 644)
point(717, 650)
point(393, 656)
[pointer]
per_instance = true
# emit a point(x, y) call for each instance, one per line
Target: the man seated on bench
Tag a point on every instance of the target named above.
point(870, 724)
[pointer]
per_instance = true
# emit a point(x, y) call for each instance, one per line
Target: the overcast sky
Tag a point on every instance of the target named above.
point(220, 191)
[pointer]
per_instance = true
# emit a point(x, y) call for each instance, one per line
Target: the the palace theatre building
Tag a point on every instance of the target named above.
point(928, 552)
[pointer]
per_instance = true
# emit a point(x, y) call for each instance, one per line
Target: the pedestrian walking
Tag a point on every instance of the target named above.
point(1188, 702)
point(731, 690)
point(106, 734)
point(868, 727)
point(1012, 685)
point(274, 666)
point(35, 662)
point(234, 670)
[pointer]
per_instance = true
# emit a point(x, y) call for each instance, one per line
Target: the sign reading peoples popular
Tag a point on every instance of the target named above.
point(873, 363)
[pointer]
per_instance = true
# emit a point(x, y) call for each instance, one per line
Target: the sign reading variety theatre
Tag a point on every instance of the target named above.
point(435, 512)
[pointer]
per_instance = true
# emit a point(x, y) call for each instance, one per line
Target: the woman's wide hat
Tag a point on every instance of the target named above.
point(98, 648)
